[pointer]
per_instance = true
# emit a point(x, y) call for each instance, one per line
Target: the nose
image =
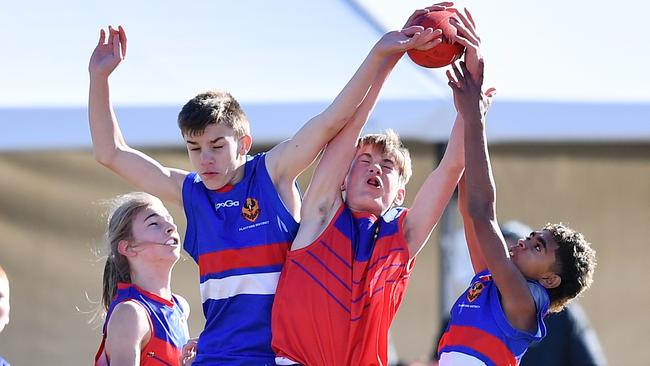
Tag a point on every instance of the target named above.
point(171, 228)
point(375, 168)
point(206, 158)
point(521, 243)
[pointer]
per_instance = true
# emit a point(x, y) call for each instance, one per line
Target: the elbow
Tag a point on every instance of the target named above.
point(331, 126)
point(480, 209)
point(105, 158)
point(346, 113)
point(453, 160)
point(456, 167)
point(337, 118)
point(453, 167)
point(337, 124)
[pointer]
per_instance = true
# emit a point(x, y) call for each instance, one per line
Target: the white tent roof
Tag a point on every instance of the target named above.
point(285, 61)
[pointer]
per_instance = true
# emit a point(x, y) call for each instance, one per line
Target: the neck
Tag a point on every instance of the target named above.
point(364, 211)
point(373, 208)
point(239, 171)
point(154, 279)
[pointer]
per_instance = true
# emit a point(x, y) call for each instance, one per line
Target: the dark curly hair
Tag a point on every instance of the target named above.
point(575, 261)
point(210, 107)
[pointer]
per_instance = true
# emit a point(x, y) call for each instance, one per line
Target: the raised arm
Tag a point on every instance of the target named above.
point(436, 191)
point(288, 159)
point(109, 146)
point(323, 195)
point(432, 198)
point(516, 299)
point(475, 253)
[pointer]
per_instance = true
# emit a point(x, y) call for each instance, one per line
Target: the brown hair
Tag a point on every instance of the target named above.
point(210, 107)
point(120, 227)
point(389, 143)
point(575, 261)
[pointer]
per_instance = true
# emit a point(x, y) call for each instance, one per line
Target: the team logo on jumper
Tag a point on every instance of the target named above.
point(251, 209)
point(475, 291)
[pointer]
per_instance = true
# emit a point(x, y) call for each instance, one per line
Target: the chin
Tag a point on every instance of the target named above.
point(369, 207)
point(212, 185)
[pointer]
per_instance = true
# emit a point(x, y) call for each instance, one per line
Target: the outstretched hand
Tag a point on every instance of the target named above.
point(469, 100)
point(414, 37)
point(419, 12)
point(467, 36)
point(109, 52)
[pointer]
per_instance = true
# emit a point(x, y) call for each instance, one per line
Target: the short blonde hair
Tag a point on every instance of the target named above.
point(390, 144)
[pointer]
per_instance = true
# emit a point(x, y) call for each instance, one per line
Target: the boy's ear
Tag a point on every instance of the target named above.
point(399, 199)
point(344, 183)
point(550, 280)
point(245, 143)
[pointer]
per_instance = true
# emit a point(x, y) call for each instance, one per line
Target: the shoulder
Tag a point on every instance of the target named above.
point(276, 151)
point(276, 161)
point(394, 222)
point(129, 317)
point(191, 183)
point(257, 159)
point(129, 330)
point(255, 164)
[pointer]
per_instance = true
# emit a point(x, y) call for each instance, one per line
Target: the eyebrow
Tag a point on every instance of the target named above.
point(150, 216)
point(211, 141)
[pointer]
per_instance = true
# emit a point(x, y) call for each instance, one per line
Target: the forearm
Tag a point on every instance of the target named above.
point(453, 160)
point(363, 111)
point(361, 115)
point(325, 184)
point(355, 91)
point(105, 132)
point(342, 148)
point(481, 193)
point(291, 158)
point(481, 196)
point(436, 191)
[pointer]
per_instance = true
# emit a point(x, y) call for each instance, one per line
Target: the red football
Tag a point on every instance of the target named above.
point(444, 53)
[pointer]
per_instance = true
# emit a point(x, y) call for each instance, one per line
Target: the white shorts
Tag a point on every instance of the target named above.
point(285, 361)
point(457, 358)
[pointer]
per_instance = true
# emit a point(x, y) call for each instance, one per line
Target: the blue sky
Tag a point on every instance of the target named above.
point(564, 71)
point(569, 51)
point(258, 50)
point(575, 50)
